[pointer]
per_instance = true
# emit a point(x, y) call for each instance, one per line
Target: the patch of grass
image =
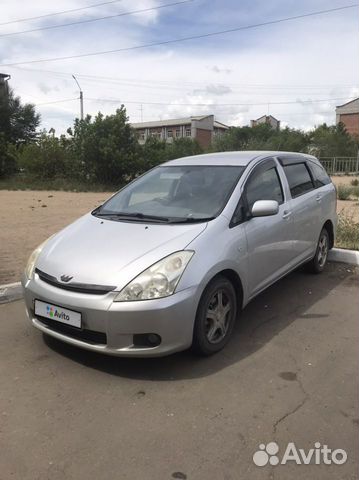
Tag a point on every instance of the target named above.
point(354, 182)
point(343, 192)
point(347, 232)
point(355, 191)
point(347, 192)
point(22, 182)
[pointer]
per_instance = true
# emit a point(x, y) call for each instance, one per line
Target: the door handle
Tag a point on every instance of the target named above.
point(286, 214)
point(318, 198)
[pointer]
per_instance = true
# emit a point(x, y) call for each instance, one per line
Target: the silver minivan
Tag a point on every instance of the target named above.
point(168, 262)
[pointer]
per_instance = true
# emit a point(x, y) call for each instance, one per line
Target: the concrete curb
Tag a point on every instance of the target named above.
point(13, 291)
point(344, 256)
point(10, 292)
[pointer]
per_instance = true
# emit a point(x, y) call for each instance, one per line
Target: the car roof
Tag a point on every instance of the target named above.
point(241, 158)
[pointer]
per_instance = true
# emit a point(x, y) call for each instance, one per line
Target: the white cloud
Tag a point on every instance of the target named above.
point(301, 61)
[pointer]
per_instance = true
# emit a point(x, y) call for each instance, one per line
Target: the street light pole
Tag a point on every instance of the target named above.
point(81, 98)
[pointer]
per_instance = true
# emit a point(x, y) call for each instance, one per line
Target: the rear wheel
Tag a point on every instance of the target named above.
point(319, 261)
point(215, 317)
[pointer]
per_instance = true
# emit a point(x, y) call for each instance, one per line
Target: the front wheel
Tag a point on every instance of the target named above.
point(215, 317)
point(319, 261)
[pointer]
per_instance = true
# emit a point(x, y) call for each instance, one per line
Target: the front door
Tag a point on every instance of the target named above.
point(269, 239)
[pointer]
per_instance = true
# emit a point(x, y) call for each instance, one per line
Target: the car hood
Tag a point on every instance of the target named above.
point(103, 252)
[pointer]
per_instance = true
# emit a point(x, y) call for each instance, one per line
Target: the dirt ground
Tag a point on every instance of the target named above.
point(351, 207)
point(29, 217)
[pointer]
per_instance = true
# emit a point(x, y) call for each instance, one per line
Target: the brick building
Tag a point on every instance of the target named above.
point(267, 119)
point(201, 128)
point(348, 114)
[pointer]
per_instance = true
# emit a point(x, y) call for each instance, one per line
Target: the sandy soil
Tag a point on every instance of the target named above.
point(343, 180)
point(29, 217)
point(350, 207)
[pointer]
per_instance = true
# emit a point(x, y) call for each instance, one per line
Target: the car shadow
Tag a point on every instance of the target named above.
point(287, 301)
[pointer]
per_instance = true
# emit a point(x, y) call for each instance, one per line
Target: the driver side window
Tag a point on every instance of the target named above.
point(264, 185)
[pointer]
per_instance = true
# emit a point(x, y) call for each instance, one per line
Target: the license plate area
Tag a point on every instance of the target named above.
point(58, 314)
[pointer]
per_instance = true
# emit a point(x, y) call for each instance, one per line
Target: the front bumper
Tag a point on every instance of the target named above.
point(172, 318)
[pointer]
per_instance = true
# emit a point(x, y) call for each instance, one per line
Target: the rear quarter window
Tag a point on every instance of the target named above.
point(299, 178)
point(320, 176)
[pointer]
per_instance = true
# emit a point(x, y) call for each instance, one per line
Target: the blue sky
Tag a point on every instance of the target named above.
point(237, 76)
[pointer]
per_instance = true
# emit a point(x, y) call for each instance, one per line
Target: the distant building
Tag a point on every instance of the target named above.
point(268, 119)
point(201, 128)
point(348, 114)
point(4, 88)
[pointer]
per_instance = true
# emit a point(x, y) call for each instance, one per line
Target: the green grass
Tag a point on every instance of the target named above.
point(347, 192)
point(347, 232)
point(20, 182)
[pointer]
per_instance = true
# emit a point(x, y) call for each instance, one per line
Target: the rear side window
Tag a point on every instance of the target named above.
point(298, 178)
point(320, 176)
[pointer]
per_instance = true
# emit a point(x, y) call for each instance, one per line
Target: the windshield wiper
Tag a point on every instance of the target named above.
point(191, 219)
point(134, 215)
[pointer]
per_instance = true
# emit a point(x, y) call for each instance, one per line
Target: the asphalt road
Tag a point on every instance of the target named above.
point(289, 375)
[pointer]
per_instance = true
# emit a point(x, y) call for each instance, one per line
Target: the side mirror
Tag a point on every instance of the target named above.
point(264, 208)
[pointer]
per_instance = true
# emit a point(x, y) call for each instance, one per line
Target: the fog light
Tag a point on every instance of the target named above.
point(149, 340)
point(154, 339)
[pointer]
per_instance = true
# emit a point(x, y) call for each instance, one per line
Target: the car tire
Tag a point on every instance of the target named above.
point(317, 264)
point(215, 318)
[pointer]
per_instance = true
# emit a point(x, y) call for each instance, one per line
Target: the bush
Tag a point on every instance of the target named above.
point(355, 191)
point(48, 158)
point(344, 192)
point(354, 182)
point(347, 232)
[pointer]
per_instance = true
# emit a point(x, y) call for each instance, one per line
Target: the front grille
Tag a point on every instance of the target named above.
point(88, 336)
point(74, 286)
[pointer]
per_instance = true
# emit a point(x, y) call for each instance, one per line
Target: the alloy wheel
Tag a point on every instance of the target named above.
point(218, 317)
point(323, 250)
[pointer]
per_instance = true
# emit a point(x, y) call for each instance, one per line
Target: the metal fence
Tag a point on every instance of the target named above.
point(335, 165)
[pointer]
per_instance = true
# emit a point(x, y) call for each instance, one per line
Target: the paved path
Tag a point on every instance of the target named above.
point(289, 375)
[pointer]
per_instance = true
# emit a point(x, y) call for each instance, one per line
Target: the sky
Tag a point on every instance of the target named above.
point(297, 71)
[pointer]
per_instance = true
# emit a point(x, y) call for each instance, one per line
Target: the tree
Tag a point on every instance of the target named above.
point(262, 137)
point(332, 141)
point(18, 122)
point(8, 164)
point(106, 147)
point(47, 158)
point(182, 147)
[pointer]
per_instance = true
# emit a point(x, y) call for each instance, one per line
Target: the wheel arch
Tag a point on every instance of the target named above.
point(328, 225)
point(236, 281)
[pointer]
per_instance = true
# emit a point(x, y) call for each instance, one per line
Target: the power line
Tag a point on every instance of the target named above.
point(90, 20)
point(56, 101)
point(183, 39)
point(60, 13)
point(140, 102)
point(181, 84)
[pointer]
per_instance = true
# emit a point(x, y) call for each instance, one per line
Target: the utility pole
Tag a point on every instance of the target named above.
point(81, 98)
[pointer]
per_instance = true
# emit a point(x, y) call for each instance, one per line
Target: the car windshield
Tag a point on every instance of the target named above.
point(174, 194)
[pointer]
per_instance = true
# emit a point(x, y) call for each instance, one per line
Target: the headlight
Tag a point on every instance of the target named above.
point(158, 281)
point(31, 263)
